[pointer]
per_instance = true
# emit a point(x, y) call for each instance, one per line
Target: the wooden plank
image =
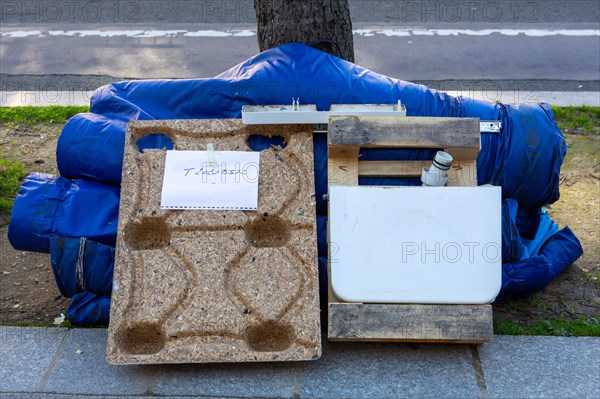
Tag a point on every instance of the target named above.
point(392, 168)
point(407, 132)
point(342, 166)
point(462, 173)
point(462, 154)
point(410, 323)
point(331, 298)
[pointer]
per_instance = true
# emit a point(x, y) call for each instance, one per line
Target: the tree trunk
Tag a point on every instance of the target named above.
point(323, 24)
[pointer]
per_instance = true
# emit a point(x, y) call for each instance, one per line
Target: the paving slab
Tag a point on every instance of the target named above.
point(386, 370)
point(42, 363)
point(89, 373)
point(542, 367)
point(27, 354)
point(246, 380)
point(29, 395)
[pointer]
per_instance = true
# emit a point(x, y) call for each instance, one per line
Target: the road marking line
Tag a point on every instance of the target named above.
point(483, 32)
point(152, 33)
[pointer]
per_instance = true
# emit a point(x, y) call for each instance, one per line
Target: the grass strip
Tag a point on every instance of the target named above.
point(30, 115)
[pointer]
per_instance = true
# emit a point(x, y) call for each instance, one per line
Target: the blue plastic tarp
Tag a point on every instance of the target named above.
point(81, 265)
point(524, 159)
point(526, 276)
point(51, 206)
point(87, 308)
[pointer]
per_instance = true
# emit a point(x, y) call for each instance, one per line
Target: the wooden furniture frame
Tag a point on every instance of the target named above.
point(404, 322)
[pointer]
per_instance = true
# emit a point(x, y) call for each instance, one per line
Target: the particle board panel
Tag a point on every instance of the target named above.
point(200, 286)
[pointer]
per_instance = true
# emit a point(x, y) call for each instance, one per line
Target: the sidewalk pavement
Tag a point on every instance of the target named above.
point(52, 363)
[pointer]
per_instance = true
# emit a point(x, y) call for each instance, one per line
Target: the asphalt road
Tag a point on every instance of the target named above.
point(242, 11)
point(521, 45)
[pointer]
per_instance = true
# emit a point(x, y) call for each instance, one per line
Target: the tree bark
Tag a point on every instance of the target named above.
point(323, 24)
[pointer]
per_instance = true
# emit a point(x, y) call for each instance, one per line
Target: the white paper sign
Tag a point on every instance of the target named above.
point(220, 180)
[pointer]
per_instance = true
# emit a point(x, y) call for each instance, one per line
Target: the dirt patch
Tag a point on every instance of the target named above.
point(28, 292)
point(26, 278)
point(576, 292)
point(33, 145)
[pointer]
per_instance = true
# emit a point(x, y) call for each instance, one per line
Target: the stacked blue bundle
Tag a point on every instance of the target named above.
point(50, 215)
point(524, 159)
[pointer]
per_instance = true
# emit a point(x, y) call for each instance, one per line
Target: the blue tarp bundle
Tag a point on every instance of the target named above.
point(87, 308)
point(81, 265)
point(524, 159)
point(50, 206)
point(62, 216)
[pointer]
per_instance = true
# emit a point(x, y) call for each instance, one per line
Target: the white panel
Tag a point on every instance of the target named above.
point(307, 113)
point(415, 244)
